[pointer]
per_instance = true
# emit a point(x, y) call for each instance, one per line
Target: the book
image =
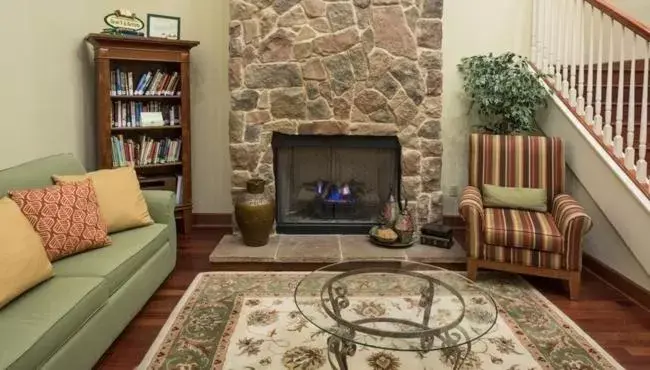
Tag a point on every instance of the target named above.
point(150, 83)
point(129, 113)
point(144, 151)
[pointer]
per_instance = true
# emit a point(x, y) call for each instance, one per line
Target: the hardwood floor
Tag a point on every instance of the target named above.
point(620, 326)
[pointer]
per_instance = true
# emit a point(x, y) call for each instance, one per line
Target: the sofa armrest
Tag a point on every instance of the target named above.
point(573, 222)
point(470, 208)
point(161, 204)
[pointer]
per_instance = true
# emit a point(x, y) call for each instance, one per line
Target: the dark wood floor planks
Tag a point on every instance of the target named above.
point(617, 324)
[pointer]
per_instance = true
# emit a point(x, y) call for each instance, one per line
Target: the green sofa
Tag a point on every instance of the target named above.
point(70, 320)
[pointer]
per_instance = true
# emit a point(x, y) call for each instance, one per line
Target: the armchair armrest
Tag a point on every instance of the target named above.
point(470, 208)
point(573, 222)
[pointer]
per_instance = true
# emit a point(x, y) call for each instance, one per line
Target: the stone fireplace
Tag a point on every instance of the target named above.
point(333, 184)
point(338, 68)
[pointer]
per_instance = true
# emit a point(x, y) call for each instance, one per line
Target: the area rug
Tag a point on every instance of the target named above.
point(249, 321)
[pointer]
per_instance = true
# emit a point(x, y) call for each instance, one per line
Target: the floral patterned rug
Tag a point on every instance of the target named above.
point(250, 321)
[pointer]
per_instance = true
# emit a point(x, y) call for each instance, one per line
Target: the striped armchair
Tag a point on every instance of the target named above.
point(536, 243)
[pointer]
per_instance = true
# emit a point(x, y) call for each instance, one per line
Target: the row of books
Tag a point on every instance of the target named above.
point(144, 151)
point(129, 113)
point(151, 83)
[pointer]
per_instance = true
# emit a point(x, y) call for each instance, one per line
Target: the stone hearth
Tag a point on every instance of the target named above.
point(328, 249)
point(338, 67)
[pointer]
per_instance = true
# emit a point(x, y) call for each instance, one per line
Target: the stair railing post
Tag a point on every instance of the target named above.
point(641, 164)
point(589, 110)
point(560, 40)
point(575, 22)
point(567, 41)
point(598, 118)
point(618, 138)
point(581, 72)
point(607, 130)
point(631, 111)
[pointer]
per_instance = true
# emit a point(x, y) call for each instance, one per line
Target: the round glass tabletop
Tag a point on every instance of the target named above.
point(407, 306)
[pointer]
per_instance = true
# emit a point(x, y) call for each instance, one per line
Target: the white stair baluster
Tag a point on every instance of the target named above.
point(540, 32)
point(641, 164)
point(618, 139)
point(553, 25)
point(607, 130)
point(566, 54)
point(533, 51)
point(575, 22)
point(581, 72)
point(589, 110)
point(598, 118)
point(560, 40)
point(631, 116)
point(547, 35)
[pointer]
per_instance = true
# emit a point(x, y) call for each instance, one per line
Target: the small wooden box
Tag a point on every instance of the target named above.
point(436, 241)
point(158, 183)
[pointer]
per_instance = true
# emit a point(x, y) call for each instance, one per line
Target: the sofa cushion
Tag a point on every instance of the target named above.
point(130, 250)
point(36, 324)
point(523, 229)
point(66, 217)
point(121, 202)
point(23, 261)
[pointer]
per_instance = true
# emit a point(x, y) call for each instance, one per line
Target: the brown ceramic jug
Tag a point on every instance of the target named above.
point(255, 213)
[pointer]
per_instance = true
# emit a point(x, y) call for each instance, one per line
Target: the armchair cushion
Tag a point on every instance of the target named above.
point(522, 229)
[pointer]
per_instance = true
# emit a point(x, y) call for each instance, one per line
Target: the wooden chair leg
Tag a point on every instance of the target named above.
point(574, 285)
point(472, 269)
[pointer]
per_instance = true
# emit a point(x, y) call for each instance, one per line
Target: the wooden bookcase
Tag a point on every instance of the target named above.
point(140, 55)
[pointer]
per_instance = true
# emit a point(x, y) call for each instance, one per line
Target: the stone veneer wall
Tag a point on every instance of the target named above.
point(331, 67)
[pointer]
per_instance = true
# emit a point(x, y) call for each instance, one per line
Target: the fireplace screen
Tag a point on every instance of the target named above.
point(333, 184)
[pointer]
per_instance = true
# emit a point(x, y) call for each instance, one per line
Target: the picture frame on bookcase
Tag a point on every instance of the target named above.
point(163, 26)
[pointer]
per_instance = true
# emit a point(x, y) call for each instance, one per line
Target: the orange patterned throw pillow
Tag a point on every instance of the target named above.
point(65, 216)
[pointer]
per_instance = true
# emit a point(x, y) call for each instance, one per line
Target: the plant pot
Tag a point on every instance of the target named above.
point(255, 213)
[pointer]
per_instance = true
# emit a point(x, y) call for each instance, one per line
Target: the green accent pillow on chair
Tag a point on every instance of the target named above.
point(531, 199)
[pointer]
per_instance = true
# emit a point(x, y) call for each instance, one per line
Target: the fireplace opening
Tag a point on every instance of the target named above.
point(333, 184)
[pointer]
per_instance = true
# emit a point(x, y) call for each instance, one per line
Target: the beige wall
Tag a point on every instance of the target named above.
point(639, 9)
point(47, 96)
point(47, 103)
point(491, 26)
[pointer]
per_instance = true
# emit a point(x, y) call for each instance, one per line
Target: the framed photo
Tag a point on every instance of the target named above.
point(163, 26)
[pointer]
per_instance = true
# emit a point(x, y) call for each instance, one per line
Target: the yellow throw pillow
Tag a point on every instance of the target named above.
point(532, 199)
point(121, 202)
point(23, 261)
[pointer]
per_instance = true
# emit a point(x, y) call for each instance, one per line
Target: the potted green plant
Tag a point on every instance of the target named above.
point(505, 92)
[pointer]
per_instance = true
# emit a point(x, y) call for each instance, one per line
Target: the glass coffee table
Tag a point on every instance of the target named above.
point(395, 305)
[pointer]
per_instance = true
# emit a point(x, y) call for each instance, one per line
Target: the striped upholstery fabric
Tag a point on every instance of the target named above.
point(522, 229)
point(573, 223)
point(545, 240)
point(517, 161)
point(525, 257)
point(471, 209)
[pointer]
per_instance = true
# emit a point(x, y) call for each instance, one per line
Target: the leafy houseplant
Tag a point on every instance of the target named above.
point(505, 92)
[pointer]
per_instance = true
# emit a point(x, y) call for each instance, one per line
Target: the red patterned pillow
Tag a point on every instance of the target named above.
point(65, 216)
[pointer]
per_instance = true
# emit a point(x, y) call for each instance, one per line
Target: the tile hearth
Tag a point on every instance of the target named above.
point(327, 249)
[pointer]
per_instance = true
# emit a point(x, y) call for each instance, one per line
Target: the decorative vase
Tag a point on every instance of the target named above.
point(404, 226)
point(255, 213)
point(390, 211)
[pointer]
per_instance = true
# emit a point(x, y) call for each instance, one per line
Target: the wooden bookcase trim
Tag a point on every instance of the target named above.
point(110, 50)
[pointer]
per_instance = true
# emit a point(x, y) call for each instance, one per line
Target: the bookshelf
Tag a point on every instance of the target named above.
point(143, 112)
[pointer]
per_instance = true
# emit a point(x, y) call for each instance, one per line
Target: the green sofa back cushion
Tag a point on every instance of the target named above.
point(531, 199)
point(38, 172)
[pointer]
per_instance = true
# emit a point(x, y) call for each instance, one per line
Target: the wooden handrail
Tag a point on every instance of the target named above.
point(621, 17)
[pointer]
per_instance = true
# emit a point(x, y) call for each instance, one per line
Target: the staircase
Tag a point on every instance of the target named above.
point(597, 61)
point(598, 64)
point(628, 67)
